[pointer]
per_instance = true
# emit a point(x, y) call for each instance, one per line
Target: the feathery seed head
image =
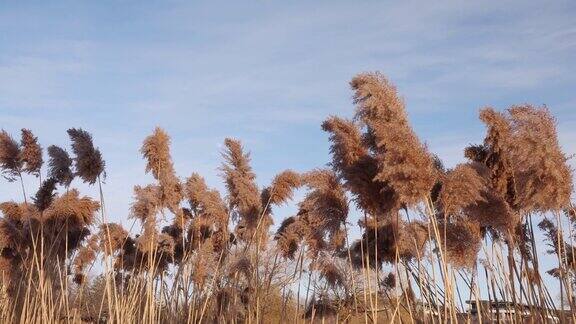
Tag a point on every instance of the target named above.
point(10, 161)
point(88, 159)
point(243, 193)
point(462, 187)
point(281, 189)
point(59, 165)
point(31, 154)
point(403, 162)
point(78, 211)
point(45, 194)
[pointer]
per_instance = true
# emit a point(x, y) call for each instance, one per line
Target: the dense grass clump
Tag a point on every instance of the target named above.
point(429, 238)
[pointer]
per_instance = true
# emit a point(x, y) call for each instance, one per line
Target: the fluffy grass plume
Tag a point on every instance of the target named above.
point(31, 153)
point(243, 193)
point(88, 159)
point(60, 165)
point(10, 161)
point(403, 162)
point(156, 151)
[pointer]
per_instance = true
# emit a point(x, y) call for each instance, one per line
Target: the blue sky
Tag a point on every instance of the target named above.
point(269, 73)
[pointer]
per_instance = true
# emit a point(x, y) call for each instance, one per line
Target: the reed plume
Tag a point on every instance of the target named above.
point(333, 275)
point(45, 194)
point(150, 200)
point(382, 239)
point(493, 212)
point(320, 308)
point(495, 163)
point(462, 240)
point(71, 207)
point(17, 212)
point(112, 238)
point(242, 266)
point(565, 272)
point(165, 249)
point(320, 220)
point(156, 150)
point(85, 257)
point(279, 192)
point(403, 162)
point(476, 153)
point(389, 281)
point(210, 210)
point(462, 187)
point(543, 177)
point(88, 160)
point(412, 241)
point(528, 170)
point(12, 235)
point(146, 202)
point(352, 160)
point(323, 211)
point(203, 264)
point(281, 189)
point(59, 166)
point(31, 153)
point(557, 245)
point(288, 237)
point(498, 158)
point(10, 161)
point(206, 202)
point(243, 193)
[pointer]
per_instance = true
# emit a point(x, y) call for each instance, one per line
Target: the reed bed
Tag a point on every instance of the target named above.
point(430, 238)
